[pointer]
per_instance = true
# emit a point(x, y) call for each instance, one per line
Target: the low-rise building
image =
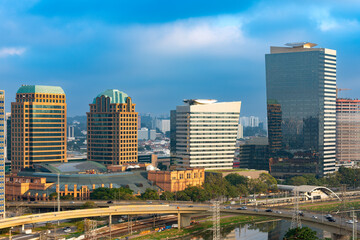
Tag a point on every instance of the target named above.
point(177, 180)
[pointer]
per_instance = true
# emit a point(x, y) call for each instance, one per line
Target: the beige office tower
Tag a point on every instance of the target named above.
point(112, 129)
point(2, 154)
point(38, 126)
point(206, 133)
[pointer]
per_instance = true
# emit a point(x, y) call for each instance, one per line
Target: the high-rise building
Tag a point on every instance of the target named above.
point(206, 133)
point(301, 99)
point(71, 133)
point(112, 129)
point(2, 153)
point(251, 121)
point(347, 131)
point(38, 126)
point(8, 136)
point(253, 153)
point(163, 125)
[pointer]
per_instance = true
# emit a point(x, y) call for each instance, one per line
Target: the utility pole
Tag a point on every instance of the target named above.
point(216, 220)
point(110, 222)
point(296, 221)
point(58, 194)
point(354, 230)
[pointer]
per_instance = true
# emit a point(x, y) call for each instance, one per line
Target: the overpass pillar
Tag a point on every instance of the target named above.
point(184, 220)
point(22, 228)
point(335, 236)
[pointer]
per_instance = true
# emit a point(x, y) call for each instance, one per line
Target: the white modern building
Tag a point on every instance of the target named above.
point(163, 125)
point(71, 133)
point(206, 133)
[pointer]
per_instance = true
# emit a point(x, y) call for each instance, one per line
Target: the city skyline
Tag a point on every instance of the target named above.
point(157, 54)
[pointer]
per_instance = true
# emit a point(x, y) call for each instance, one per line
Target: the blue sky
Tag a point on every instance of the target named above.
point(161, 52)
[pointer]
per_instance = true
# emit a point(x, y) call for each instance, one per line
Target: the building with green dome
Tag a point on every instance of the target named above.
point(112, 129)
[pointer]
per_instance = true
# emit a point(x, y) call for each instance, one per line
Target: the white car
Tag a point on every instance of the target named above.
point(350, 221)
point(314, 217)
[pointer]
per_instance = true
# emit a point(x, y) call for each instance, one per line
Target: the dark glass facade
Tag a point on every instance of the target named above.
point(301, 97)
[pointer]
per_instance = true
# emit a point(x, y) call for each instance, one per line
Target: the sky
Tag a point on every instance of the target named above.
point(160, 52)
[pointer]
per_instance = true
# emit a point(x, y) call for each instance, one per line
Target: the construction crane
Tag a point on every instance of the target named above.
point(341, 89)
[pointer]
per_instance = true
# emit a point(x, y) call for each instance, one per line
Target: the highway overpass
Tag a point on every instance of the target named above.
point(339, 230)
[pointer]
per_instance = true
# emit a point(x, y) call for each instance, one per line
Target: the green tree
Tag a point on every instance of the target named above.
point(257, 186)
point(300, 233)
point(196, 194)
point(297, 181)
point(236, 179)
point(88, 204)
point(67, 197)
point(53, 196)
point(269, 180)
point(168, 196)
point(182, 196)
point(150, 194)
point(215, 186)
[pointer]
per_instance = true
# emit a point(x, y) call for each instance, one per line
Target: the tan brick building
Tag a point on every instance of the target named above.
point(112, 125)
point(177, 180)
point(38, 126)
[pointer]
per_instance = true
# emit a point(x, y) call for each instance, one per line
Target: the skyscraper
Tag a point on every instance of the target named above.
point(2, 154)
point(301, 99)
point(112, 129)
point(206, 133)
point(38, 126)
point(347, 131)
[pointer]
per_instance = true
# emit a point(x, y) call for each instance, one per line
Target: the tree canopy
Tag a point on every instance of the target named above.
point(300, 233)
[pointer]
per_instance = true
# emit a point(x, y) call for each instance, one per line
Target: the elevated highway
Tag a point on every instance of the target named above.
point(339, 229)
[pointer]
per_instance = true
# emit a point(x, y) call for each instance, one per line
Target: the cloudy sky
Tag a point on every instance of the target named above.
point(161, 52)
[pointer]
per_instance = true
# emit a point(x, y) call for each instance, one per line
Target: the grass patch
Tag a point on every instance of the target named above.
point(175, 233)
point(326, 207)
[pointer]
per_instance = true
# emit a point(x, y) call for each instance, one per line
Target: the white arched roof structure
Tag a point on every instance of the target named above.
point(308, 189)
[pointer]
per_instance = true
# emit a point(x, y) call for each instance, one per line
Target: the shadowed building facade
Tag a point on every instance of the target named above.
point(38, 126)
point(347, 132)
point(2, 154)
point(112, 126)
point(301, 101)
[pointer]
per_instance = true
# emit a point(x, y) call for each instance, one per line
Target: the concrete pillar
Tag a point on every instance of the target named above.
point(335, 236)
point(185, 220)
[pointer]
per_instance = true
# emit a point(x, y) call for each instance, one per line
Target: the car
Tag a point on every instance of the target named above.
point(314, 217)
point(331, 219)
point(72, 202)
point(328, 216)
point(350, 221)
point(256, 210)
point(278, 212)
point(149, 202)
point(301, 213)
point(242, 208)
point(268, 210)
point(121, 220)
point(67, 229)
point(227, 207)
point(109, 202)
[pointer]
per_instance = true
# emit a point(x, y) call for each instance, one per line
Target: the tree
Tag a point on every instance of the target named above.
point(168, 196)
point(236, 179)
point(297, 181)
point(53, 196)
point(89, 204)
point(196, 194)
point(67, 197)
point(182, 196)
point(150, 194)
point(269, 180)
point(215, 186)
point(300, 233)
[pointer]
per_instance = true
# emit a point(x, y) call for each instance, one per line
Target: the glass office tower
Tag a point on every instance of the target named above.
point(301, 104)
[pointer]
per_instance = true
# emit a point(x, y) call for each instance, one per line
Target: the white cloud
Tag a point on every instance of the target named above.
point(326, 22)
point(11, 51)
point(220, 36)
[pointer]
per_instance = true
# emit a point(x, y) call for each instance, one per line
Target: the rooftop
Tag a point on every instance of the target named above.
point(115, 96)
point(40, 89)
point(301, 45)
point(71, 167)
